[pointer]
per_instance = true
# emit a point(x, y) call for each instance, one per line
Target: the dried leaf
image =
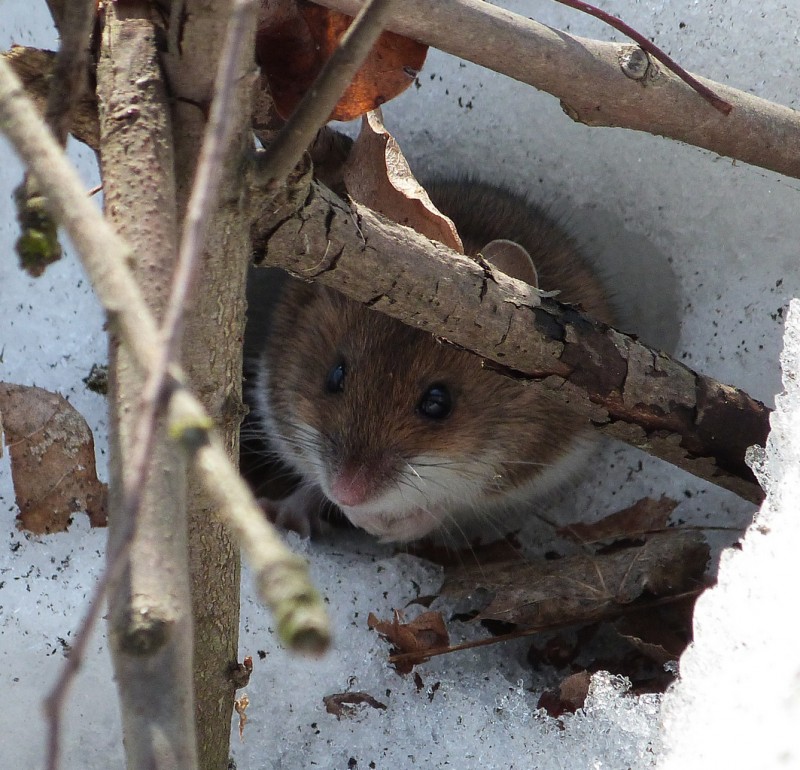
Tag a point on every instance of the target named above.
point(643, 517)
point(570, 697)
point(240, 705)
point(584, 588)
point(294, 41)
point(342, 704)
point(661, 633)
point(477, 553)
point(377, 175)
point(52, 460)
point(287, 53)
point(426, 632)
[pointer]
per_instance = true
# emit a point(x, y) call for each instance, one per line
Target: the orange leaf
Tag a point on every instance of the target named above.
point(293, 42)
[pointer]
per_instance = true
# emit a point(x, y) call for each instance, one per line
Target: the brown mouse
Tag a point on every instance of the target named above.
point(405, 434)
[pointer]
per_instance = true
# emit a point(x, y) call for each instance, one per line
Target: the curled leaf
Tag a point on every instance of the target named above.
point(426, 632)
point(377, 175)
point(643, 517)
point(585, 588)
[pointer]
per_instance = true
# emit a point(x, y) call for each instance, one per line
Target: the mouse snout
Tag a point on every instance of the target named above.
point(357, 483)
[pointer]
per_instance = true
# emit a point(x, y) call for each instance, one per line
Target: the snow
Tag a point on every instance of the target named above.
point(745, 713)
point(702, 251)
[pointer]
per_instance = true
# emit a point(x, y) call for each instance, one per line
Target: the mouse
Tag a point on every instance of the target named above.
point(405, 434)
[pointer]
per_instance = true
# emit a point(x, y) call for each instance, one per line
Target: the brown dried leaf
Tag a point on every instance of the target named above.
point(570, 697)
point(504, 549)
point(584, 588)
point(661, 633)
point(52, 460)
point(287, 53)
point(294, 41)
point(426, 632)
point(643, 517)
point(342, 704)
point(377, 175)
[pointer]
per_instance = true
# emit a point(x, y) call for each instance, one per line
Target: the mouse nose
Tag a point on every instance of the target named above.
point(352, 486)
point(356, 483)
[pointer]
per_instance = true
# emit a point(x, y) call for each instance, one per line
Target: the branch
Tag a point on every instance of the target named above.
point(600, 83)
point(104, 256)
point(629, 391)
point(648, 47)
point(38, 244)
point(320, 100)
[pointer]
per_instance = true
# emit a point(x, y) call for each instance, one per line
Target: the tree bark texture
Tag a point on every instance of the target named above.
point(212, 354)
point(600, 83)
point(626, 389)
point(150, 610)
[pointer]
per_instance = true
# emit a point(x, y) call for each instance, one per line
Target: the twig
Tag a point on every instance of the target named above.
point(297, 608)
point(717, 102)
point(54, 702)
point(203, 197)
point(595, 83)
point(591, 78)
point(319, 101)
point(618, 611)
point(155, 395)
point(38, 244)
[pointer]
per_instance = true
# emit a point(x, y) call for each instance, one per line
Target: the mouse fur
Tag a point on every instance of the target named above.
point(407, 435)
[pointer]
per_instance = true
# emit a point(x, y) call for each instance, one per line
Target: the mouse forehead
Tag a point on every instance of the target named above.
point(382, 356)
point(382, 346)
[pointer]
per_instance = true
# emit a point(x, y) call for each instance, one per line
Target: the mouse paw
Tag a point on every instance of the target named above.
point(299, 512)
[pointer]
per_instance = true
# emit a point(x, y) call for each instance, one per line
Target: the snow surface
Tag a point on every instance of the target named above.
point(702, 253)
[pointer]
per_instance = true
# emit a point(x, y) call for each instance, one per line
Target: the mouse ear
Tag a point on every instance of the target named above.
point(512, 259)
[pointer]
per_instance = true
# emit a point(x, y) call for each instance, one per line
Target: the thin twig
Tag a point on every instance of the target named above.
point(320, 100)
point(618, 611)
point(54, 702)
point(203, 198)
point(290, 596)
point(38, 244)
point(155, 393)
point(717, 102)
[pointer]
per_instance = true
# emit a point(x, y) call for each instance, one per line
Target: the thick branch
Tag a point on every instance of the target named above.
point(628, 390)
point(598, 83)
point(150, 620)
point(602, 84)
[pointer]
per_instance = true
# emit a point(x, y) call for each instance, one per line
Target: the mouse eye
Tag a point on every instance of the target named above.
point(436, 402)
point(334, 382)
